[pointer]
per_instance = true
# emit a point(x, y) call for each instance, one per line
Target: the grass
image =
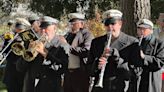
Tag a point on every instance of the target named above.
point(2, 87)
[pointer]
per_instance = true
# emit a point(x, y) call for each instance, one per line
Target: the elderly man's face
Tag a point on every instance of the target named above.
point(50, 31)
point(76, 25)
point(115, 28)
point(36, 25)
point(17, 30)
point(144, 31)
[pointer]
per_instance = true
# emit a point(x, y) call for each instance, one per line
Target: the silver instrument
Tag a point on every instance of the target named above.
point(91, 82)
point(140, 40)
point(2, 52)
point(101, 75)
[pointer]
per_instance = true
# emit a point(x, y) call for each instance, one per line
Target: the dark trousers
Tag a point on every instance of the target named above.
point(111, 85)
point(76, 81)
point(49, 85)
point(14, 86)
point(162, 85)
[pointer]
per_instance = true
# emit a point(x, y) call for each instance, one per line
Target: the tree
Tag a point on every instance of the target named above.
point(156, 8)
point(134, 10)
point(56, 8)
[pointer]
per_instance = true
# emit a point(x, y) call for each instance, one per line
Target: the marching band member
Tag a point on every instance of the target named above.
point(43, 74)
point(6, 37)
point(12, 78)
point(78, 40)
point(116, 71)
point(35, 23)
point(152, 60)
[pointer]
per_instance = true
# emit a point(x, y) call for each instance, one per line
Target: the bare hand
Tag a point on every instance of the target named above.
point(102, 62)
point(62, 39)
point(106, 53)
point(39, 47)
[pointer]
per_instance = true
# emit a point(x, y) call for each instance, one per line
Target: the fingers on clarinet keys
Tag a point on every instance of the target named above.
point(107, 52)
point(102, 62)
point(62, 39)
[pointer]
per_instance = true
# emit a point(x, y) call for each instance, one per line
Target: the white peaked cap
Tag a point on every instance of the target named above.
point(112, 13)
point(76, 16)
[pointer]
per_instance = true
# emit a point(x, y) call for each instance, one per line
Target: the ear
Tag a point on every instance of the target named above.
point(151, 31)
point(120, 22)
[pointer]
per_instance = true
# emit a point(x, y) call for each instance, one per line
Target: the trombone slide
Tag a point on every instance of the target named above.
point(4, 58)
point(8, 44)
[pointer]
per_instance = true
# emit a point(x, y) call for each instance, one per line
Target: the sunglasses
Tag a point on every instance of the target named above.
point(110, 21)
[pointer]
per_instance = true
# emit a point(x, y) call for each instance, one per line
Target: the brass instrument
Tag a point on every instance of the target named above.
point(30, 54)
point(18, 48)
point(8, 35)
point(2, 52)
point(101, 75)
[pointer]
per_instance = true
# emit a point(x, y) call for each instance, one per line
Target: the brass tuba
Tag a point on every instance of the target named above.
point(30, 54)
point(18, 48)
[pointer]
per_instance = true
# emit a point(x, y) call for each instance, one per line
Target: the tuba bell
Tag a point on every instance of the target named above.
point(30, 54)
point(18, 48)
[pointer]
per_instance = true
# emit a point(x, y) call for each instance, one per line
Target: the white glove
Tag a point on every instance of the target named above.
point(1, 57)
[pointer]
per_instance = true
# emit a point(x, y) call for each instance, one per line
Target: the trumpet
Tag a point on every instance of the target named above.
point(101, 75)
point(30, 54)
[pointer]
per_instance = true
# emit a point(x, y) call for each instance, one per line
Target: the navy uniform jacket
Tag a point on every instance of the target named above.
point(149, 69)
point(13, 79)
point(116, 71)
point(49, 75)
point(82, 41)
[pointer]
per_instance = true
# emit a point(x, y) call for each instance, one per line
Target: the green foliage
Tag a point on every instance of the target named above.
point(156, 8)
point(56, 8)
point(7, 6)
point(53, 8)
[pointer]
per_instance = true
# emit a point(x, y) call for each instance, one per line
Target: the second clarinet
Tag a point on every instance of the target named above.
point(101, 75)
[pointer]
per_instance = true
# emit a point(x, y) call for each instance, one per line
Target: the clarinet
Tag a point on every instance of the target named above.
point(101, 75)
point(140, 40)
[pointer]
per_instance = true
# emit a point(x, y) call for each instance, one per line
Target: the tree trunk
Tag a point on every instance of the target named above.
point(134, 10)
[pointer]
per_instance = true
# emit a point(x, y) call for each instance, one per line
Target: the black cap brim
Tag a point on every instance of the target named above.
point(20, 26)
point(75, 19)
point(46, 24)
